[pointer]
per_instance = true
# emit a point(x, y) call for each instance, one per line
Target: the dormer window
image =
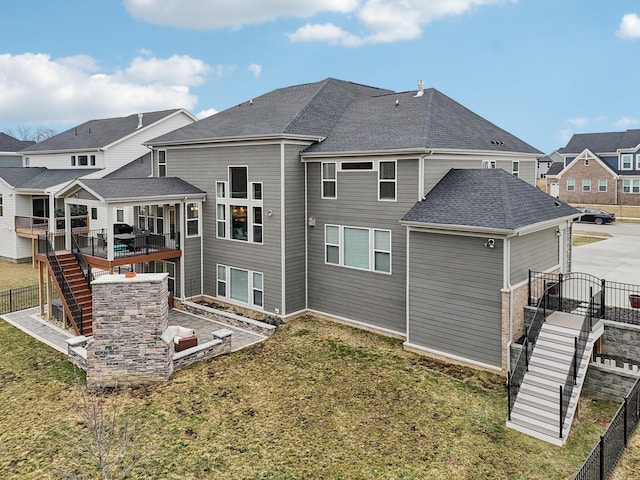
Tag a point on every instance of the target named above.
point(626, 161)
point(488, 164)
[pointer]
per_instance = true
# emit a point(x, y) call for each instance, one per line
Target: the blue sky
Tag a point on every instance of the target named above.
point(541, 69)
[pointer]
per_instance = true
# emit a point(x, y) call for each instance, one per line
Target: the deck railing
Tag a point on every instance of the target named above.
point(35, 225)
point(94, 243)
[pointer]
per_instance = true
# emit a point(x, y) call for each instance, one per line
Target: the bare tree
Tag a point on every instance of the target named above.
point(101, 451)
point(28, 133)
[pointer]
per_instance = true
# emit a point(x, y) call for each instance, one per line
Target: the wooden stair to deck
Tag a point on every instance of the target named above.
point(80, 289)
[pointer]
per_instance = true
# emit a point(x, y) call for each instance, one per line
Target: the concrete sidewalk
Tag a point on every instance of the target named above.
point(47, 333)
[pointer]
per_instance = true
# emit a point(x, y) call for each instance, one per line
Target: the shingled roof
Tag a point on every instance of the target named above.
point(11, 144)
point(114, 189)
point(96, 134)
point(409, 121)
point(311, 109)
point(40, 178)
point(486, 199)
point(607, 142)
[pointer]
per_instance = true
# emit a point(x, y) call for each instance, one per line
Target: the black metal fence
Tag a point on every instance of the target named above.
point(604, 457)
point(19, 299)
point(619, 302)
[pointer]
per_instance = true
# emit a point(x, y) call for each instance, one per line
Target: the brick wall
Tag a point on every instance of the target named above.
point(129, 317)
point(593, 171)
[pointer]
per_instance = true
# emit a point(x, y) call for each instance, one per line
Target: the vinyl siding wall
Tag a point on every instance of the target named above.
point(295, 226)
point(454, 296)
point(373, 298)
point(203, 167)
point(537, 251)
point(436, 167)
point(192, 266)
point(8, 238)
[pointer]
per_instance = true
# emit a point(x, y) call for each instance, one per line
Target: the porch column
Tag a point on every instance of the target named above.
point(67, 226)
point(110, 240)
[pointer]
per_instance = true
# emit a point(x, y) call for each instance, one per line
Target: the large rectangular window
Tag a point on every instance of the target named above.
point(239, 209)
point(238, 182)
point(488, 164)
point(586, 184)
point(361, 248)
point(243, 286)
point(329, 180)
point(387, 181)
point(631, 186)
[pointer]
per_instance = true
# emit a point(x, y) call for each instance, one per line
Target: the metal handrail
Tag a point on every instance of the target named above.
point(65, 289)
point(85, 268)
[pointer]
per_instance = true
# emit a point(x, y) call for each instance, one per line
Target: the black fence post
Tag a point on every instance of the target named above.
point(561, 411)
point(509, 394)
point(526, 353)
point(626, 427)
point(560, 296)
point(602, 457)
point(575, 360)
point(544, 300)
point(529, 290)
point(603, 289)
point(11, 300)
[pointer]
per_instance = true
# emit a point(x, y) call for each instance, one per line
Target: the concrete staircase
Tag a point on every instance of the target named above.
point(536, 410)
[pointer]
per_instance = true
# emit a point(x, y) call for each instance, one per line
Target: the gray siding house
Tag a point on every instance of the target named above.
point(403, 213)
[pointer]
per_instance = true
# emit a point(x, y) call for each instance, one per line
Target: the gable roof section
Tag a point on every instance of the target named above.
point(138, 168)
point(587, 154)
point(311, 110)
point(555, 168)
point(96, 134)
point(607, 142)
point(16, 176)
point(123, 189)
point(401, 121)
point(486, 200)
point(11, 144)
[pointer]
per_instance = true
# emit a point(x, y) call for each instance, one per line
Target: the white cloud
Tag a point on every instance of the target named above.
point(255, 69)
point(629, 26)
point(206, 113)
point(214, 14)
point(36, 89)
point(384, 21)
point(626, 122)
point(579, 122)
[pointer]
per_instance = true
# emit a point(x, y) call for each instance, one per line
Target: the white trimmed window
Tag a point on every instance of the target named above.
point(626, 161)
point(356, 247)
point(602, 185)
point(193, 219)
point(387, 180)
point(27, 161)
point(119, 215)
point(162, 163)
point(630, 185)
point(239, 207)
point(571, 185)
point(243, 286)
point(488, 164)
point(329, 180)
point(586, 184)
point(515, 168)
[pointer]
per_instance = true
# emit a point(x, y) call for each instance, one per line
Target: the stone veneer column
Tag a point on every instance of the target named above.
point(129, 316)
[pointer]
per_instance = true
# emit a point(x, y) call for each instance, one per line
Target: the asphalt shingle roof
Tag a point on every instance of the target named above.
point(486, 199)
point(555, 168)
point(97, 133)
point(139, 168)
point(40, 178)
point(310, 109)
point(607, 142)
point(405, 120)
point(11, 144)
point(128, 188)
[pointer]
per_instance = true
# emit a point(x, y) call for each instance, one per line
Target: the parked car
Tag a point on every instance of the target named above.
point(597, 216)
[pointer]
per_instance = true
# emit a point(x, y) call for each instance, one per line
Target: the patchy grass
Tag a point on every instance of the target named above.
point(317, 401)
point(583, 237)
point(13, 275)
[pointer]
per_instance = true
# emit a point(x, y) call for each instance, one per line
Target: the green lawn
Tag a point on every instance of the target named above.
point(13, 275)
point(316, 401)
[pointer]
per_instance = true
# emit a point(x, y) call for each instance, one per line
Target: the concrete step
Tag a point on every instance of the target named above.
point(535, 425)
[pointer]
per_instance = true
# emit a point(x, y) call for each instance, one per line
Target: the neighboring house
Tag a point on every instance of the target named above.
point(551, 185)
point(403, 213)
point(94, 149)
point(9, 148)
point(544, 163)
point(601, 168)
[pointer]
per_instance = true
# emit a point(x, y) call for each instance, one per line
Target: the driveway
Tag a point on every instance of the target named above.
point(616, 259)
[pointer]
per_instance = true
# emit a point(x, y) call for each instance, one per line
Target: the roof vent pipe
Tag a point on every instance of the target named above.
point(139, 121)
point(420, 89)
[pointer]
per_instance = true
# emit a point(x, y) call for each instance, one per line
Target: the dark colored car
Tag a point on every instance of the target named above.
point(597, 216)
